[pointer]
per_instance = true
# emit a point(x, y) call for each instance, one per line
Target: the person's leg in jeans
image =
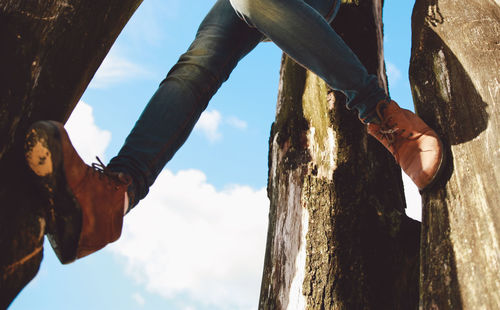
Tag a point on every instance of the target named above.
point(302, 33)
point(221, 41)
point(306, 36)
point(88, 203)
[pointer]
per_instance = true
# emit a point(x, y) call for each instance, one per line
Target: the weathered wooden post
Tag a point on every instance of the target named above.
point(455, 78)
point(50, 49)
point(338, 236)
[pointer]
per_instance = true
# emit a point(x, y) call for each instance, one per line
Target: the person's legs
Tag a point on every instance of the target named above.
point(87, 203)
point(304, 34)
point(222, 40)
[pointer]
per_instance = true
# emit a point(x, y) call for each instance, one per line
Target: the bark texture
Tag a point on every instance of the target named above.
point(50, 51)
point(455, 80)
point(338, 236)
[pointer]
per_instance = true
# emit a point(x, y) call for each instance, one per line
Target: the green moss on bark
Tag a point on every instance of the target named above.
point(290, 125)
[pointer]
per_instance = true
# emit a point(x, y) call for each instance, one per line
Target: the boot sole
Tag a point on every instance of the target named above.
point(43, 153)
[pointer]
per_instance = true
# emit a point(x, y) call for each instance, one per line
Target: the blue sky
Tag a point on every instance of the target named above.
point(198, 240)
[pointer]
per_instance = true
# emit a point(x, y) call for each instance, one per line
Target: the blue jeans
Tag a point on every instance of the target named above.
point(231, 30)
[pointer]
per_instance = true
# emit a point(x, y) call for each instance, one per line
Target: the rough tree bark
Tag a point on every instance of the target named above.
point(338, 237)
point(50, 49)
point(455, 80)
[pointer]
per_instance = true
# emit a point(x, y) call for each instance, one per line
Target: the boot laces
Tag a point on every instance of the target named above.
point(389, 131)
point(389, 134)
point(102, 170)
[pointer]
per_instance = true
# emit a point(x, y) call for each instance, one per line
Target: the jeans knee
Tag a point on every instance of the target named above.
point(249, 9)
point(242, 7)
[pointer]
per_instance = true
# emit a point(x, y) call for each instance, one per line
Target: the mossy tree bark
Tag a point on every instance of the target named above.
point(50, 51)
point(338, 236)
point(455, 81)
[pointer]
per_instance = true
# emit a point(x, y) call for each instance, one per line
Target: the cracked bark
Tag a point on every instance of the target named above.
point(338, 237)
point(50, 51)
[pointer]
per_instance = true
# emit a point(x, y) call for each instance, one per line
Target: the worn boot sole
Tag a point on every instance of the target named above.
point(43, 153)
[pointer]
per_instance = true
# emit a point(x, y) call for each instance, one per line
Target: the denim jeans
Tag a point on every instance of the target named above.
point(231, 30)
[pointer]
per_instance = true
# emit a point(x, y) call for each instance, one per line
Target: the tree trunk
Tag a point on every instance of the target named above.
point(338, 236)
point(50, 51)
point(455, 82)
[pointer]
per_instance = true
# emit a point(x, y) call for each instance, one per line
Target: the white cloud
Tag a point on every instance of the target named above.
point(138, 299)
point(116, 69)
point(208, 124)
point(413, 199)
point(188, 239)
point(210, 121)
point(88, 139)
point(237, 123)
point(393, 73)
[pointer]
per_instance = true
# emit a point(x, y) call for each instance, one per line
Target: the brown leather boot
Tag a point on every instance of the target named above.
point(414, 145)
point(86, 204)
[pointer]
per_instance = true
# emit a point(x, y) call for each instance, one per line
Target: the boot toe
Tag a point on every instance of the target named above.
point(426, 162)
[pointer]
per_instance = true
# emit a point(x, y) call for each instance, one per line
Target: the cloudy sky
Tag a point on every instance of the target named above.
point(197, 241)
